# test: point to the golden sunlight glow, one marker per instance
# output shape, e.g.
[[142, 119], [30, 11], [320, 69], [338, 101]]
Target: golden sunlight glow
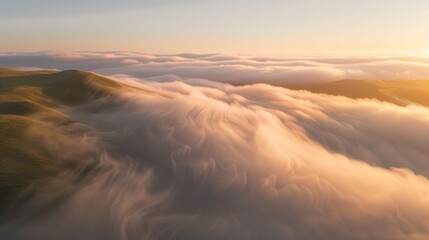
[[425, 52], [227, 119]]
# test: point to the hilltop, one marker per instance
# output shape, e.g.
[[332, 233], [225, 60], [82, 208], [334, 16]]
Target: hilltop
[[30, 101]]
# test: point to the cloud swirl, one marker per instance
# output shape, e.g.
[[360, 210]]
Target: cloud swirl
[[172, 160]]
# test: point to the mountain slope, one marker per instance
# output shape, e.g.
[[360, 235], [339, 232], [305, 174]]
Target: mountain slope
[[30, 101], [397, 92]]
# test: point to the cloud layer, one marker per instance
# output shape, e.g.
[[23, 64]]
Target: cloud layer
[[177, 161], [226, 68]]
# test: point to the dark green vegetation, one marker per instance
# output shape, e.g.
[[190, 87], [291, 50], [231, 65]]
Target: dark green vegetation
[[30, 111]]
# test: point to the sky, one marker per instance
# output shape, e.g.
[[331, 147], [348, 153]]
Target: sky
[[270, 27]]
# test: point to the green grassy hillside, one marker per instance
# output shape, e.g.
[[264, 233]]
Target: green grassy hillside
[[32, 101]]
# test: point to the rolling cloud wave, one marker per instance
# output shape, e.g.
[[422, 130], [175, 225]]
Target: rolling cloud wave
[[179, 161]]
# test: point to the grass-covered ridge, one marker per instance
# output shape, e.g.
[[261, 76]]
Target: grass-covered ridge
[[398, 92], [69, 87], [31, 102]]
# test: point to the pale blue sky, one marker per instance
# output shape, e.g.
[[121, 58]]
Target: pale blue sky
[[270, 27]]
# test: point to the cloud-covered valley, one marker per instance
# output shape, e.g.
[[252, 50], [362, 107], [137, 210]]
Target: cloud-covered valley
[[198, 160]]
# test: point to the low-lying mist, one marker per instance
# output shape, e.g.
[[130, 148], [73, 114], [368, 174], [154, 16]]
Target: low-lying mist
[[212, 161]]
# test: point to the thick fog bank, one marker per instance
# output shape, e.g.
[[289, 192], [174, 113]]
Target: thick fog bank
[[176, 161]]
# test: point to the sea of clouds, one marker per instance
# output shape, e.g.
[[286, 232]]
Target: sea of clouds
[[203, 160], [234, 69]]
